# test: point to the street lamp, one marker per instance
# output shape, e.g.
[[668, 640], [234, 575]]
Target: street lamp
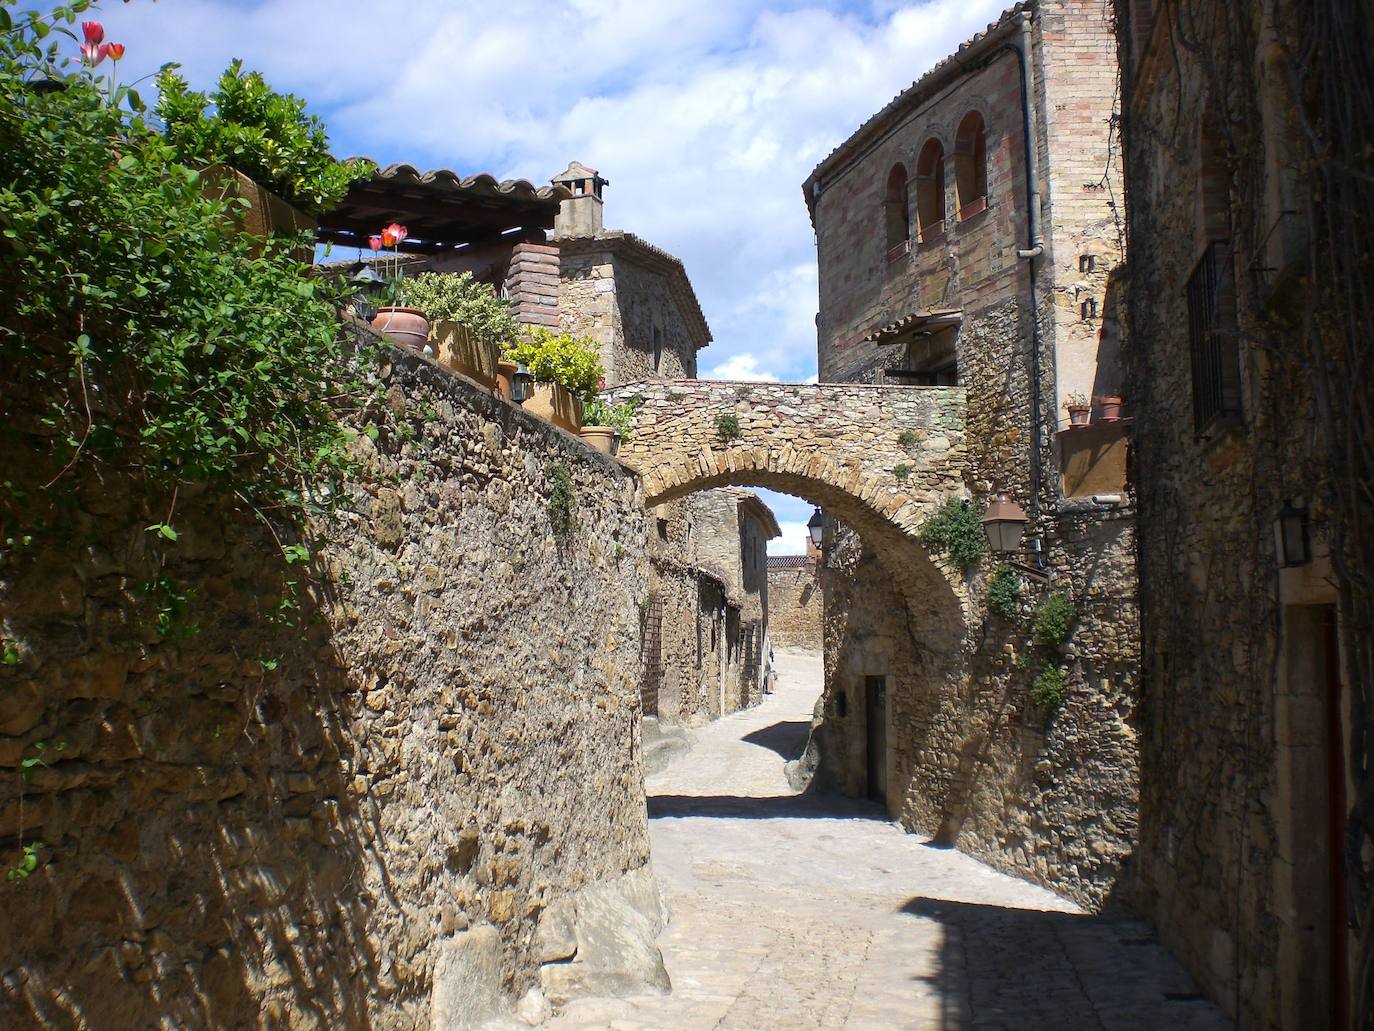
[[1295, 539], [521, 384], [815, 526], [1004, 524], [367, 287]]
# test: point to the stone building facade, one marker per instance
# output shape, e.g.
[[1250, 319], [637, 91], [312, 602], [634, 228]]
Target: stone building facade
[[1251, 833], [795, 601], [400, 807], [965, 234]]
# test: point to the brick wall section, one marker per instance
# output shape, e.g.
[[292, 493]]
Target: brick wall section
[[297, 823], [532, 284]]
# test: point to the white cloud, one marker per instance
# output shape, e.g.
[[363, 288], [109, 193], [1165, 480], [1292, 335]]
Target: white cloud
[[792, 541], [741, 367], [706, 115]]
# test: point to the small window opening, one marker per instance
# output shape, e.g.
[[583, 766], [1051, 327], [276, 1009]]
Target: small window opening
[[971, 165], [930, 191]]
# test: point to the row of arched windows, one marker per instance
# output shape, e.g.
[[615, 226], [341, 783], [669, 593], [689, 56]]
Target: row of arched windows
[[970, 183]]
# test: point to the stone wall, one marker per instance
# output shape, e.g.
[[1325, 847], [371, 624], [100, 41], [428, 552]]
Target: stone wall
[[794, 604], [355, 814]]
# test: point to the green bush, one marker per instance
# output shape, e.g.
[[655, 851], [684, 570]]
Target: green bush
[[956, 529], [448, 295], [727, 426], [619, 417], [1049, 689], [142, 325], [1054, 620], [901, 471], [1004, 592], [571, 362], [265, 135], [561, 497]]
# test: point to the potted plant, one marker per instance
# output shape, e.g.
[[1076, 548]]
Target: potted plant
[[567, 371], [400, 322], [606, 425], [467, 321], [261, 147], [1078, 408], [1109, 408]]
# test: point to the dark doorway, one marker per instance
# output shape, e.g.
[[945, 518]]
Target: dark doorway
[[1336, 816], [875, 690]]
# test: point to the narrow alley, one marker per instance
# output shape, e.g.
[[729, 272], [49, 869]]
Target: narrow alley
[[790, 912]]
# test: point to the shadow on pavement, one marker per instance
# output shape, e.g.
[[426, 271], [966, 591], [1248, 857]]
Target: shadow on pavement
[[787, 738], [1029, 968], [767, 807]]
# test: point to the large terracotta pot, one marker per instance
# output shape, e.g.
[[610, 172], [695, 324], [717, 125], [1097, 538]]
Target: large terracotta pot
[[600, 437], [405, 326], [456, 347], [1109, 409], [504, 371], [557, 405]]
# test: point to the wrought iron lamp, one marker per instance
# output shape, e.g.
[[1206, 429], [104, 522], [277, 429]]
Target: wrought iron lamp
[[368, 288], [521, 384], [1004, 524], [1293, 528], [815, 526]]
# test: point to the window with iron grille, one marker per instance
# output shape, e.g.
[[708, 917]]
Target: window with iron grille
[[1212, 337]]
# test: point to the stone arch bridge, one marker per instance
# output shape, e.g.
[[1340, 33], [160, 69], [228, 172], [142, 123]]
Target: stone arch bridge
[[878, 458]]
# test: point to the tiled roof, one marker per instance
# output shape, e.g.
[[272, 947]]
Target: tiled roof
[[916, 92], [927, 317], [788, 561]]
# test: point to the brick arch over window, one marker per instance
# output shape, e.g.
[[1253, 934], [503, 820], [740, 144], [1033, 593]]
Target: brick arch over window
[[1214, 183], [971, 165], [896, 209], [930, 191]]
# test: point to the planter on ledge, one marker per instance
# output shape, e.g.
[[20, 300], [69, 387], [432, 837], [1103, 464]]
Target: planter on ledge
[[1108, 409], [600, 437], [504, 371], [1078, 415], [265, 215], [405, 326], [458, 348], [557, 405]]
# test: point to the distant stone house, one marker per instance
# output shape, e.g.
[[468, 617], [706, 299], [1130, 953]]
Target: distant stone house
[[795, 601], [965, 236]]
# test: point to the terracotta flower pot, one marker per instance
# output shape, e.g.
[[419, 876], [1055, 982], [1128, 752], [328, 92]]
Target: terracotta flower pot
[[1109, 409], [600, 437], [405, 326], [1078, 415], [504, 371], [456, 347]]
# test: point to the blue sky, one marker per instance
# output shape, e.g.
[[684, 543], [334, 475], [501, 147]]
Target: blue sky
[[705, 115]]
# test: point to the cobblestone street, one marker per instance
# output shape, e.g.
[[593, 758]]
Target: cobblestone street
[[792, 913]]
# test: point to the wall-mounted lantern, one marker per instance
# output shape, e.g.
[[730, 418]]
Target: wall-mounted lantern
[[521, 384], [1004, 524], [1294, 533], [368, 288], [815, 526]]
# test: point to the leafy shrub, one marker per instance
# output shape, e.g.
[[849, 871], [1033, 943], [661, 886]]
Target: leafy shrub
[[448, 295], [560, 505], [1004, 592], [901, 471], [265, 135], [906, 439], [1049, 689], [619, 417], [572, 362], [1054, 620], [144, 327], [727, 426], [955, 529]]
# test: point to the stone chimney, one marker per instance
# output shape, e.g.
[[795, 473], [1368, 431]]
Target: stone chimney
[[580, 215]]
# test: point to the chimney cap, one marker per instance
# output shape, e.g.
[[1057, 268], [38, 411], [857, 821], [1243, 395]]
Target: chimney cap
[[575, 171]]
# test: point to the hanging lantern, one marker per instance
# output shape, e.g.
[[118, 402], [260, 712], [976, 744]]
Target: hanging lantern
[[1004, 524], [815, 526]]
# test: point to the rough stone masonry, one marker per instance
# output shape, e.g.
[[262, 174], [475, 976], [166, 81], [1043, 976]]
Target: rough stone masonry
[[416, 798]]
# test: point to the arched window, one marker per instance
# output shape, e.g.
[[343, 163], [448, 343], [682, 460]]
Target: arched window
[[896, 214], [971, 165], [930, 191]]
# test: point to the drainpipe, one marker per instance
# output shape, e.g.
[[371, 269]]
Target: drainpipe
[[1022, 47]]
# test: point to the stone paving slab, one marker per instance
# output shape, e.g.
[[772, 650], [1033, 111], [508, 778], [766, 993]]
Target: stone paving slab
[[791, 912]]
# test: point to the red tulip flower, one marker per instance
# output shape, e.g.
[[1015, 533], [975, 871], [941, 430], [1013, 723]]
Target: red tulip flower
[[92, 54], [116, 51], [394, 234], [94, 33], [375, 242]]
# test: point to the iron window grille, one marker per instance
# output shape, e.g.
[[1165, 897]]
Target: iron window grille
[[1212, 338]]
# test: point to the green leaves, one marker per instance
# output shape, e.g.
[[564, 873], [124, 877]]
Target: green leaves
[[956, 530], [162, 530], [446, 295], [572, 362]]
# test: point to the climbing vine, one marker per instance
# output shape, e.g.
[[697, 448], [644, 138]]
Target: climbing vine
[[956, 529]]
